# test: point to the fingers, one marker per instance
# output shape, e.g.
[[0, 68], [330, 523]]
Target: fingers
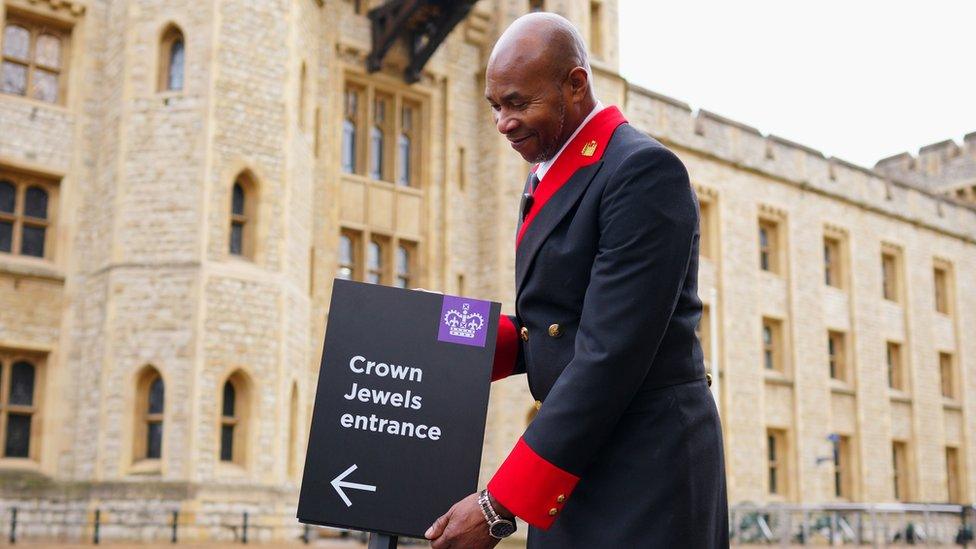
[[437, 528], [426, 290]]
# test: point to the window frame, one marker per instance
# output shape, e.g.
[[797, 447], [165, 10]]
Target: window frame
[[772, 251], [834, 267], [239, 421], [901, 473], [140, 449], [22, 182], [895, 365], [838, 359], [171, 33], [773, 350], [891, 283], [35, 410], [949, 388], [362, 118], [943, 288], [248, 221], [37, 26], [777, 464]]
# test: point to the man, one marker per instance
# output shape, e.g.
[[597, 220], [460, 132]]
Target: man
[[626, 449]]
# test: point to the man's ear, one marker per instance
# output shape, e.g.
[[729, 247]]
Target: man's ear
[[579, 81]]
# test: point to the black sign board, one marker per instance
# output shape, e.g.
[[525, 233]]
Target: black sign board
[[399, 416]]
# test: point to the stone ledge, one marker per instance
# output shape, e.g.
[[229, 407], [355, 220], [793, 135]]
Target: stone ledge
[[18, 269]]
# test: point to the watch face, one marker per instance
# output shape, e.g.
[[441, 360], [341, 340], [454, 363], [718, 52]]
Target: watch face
[[502, 529]]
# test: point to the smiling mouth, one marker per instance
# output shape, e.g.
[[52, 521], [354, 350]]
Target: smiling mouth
[[519, 141]]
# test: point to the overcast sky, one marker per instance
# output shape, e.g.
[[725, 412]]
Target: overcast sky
[[856, 79]]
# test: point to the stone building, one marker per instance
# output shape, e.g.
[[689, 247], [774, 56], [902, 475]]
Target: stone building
[[181, 180]]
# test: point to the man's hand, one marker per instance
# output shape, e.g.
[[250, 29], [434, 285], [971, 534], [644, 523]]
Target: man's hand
[[462, 527]]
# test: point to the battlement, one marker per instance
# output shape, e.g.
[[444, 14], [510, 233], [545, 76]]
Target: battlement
[[712, 135], [941, 166]]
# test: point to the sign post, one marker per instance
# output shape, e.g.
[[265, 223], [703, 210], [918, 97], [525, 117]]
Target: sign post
[[399, 417]]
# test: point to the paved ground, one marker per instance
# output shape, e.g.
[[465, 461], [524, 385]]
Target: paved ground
[[318, 544]]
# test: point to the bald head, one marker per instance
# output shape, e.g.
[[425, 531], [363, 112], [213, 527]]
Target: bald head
[[538, 84], [544, 41]]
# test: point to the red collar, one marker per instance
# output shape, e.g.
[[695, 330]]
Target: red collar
[[586, 148]]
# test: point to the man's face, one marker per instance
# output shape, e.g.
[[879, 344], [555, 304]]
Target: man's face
[[529, 108]]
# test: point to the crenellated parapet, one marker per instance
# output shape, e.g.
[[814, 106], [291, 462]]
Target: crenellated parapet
[[745, 147], [945, 167]]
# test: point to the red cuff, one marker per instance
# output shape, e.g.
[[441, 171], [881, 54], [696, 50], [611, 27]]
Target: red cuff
[[531, 487], [506, 349]]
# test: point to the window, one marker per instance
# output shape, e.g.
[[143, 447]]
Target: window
[[375, 255], [404, 264], [33, 60], [843, 469], [941, 278], [896, 373], [378, 141], [705, 226], [171, 60], [832, 262], [242, 216], [537, 5], [150, 401], [837, 355], [777, 480], [953, 475], [25, 215], [889, 276], [348, 255], [899, 463], [596, 28], [772, 345], [769, 246], [233, 419], [18, 406], [406, 145], [350, 131], [383, 140], [948, 378]]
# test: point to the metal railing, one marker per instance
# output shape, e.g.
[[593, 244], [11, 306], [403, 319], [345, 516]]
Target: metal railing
[[877, 525]]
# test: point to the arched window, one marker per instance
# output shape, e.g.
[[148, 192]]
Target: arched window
[[233, 419], [374, 262], [293, 431], [350, 125], [405, 148], [171, 60], [347, 257], [242, 216], [404, 269], [150, 403], [377, 139], [18, 380]]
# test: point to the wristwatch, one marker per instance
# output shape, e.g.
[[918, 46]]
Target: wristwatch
[[498, 527]]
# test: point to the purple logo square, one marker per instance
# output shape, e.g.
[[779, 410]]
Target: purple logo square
[[463, 321]]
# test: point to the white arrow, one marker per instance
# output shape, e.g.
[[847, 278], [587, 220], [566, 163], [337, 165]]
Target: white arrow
[[339, 484]]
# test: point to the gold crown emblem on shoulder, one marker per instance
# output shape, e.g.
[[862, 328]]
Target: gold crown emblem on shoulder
[[589, 149]]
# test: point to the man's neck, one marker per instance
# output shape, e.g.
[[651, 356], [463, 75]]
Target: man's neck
[[543, 167]]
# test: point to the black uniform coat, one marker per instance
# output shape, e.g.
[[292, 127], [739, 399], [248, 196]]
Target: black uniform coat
[[626, 449]]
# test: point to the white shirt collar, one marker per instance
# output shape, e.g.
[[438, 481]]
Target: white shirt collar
[[540, 172]]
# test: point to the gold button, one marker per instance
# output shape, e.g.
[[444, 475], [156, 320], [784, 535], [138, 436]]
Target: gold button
[[708, 378], [555, 330], [538, 404], [553, 511], [524, 332], [561, 498]]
